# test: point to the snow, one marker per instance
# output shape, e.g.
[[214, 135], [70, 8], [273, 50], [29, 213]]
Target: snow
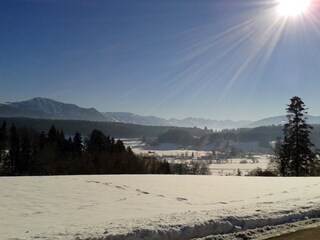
[[232, 165], [165, 149], [150, 206], [172, 153], [268, 232]]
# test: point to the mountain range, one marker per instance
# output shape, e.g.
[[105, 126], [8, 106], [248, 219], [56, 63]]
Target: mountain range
[[186, 122], [50, 109]]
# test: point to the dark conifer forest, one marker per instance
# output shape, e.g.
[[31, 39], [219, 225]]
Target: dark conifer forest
[[24, 151]]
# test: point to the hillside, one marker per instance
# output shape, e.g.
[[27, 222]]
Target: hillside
[[152, 207], [114, 129], [44, 108], [262, 135], [280, 120], [48, 108]]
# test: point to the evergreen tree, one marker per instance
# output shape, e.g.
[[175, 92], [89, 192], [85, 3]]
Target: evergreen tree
[[284, 157], [25, 154], [77, 141], [52, 134], [119, 146], [14, 151], [62, 142], [3, 140], [129, 150], [42, 140], [98, 142], [4, 163], [296, 157]]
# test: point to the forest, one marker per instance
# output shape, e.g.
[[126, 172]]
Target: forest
[[27, 152], [262, 135], [115, 129]]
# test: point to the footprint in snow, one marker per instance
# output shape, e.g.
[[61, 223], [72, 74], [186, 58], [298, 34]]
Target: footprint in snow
[[87, 206], [37, 212], [265, 202], [120, 187], [142, 192], [181, 199], [160, 195], [92, 182]]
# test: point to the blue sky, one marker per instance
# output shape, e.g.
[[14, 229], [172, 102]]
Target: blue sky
[[219, 59]]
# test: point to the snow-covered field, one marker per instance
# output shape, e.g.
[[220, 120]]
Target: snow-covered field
[[231, 167], [150, 206], [165, 149], [171, 153]]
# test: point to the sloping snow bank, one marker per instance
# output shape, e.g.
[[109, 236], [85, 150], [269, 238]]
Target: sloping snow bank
[[266, 232], [224, 225], [150, 207]]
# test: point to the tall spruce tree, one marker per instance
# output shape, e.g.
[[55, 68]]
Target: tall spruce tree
[[296, 157]]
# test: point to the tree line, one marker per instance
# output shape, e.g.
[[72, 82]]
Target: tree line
[[115, 129], [24, 151]]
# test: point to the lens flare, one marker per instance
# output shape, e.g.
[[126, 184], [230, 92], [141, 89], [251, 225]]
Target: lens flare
[[293, 7]]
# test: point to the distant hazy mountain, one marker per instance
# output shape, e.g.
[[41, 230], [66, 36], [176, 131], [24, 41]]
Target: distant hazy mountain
[[209, 123], [269, 121], [279, 120], [47, 108], [187, 122], [136, 119], [51, 109]]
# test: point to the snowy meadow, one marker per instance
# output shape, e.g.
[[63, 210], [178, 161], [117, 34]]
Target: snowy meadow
[[174, 154], [150, 206], [159, 120]]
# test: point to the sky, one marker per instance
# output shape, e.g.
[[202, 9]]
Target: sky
[[217, 59]]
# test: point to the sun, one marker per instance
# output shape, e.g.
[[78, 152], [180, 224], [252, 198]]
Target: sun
[[293, 7]]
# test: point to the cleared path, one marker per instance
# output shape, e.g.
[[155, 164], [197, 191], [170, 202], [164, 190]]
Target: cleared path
[[308, 234]]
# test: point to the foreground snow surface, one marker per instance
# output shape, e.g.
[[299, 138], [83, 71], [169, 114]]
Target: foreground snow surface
[[150, 206]]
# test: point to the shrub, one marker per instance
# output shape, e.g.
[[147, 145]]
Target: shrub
[[261, 173]]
